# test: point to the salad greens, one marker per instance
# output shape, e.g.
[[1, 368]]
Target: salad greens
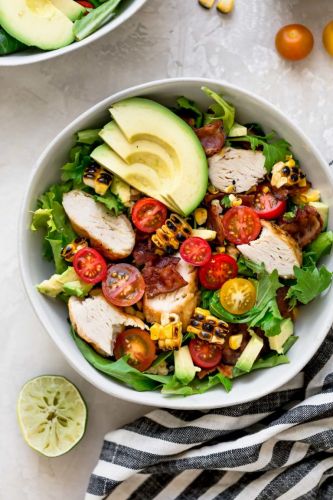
[[95, 19], [274, 149], [9, 44], [220, 110], [188, 105], [309, 284]]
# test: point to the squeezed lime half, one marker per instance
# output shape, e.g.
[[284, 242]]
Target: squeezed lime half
[[52, 415]]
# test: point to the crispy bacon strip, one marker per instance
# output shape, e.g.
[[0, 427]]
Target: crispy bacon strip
[[161, 276], [212, 137], [305, 227], [214, 222]]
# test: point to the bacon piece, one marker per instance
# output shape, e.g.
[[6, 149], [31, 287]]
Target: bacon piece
[[206, 371], [305, 227], [212, 137], [214, 222], [143, 252], [283, 303], [161, 276]]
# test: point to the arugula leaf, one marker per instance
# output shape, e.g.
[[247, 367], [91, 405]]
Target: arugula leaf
[[265, 313], [310, 282], [274, 150], [267, 362], [51, 217], [111, 201], [289, 343], [220, 110], [189, 105], [197, 386], [247, 267], [120, 369], [226, 202]]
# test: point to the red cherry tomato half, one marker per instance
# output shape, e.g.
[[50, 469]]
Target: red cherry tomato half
[[241, 225], [269, 207], [294, 42], [217, 271], [138, 345], [85, 4], [123, 285], [195, 251], [149, 214], [204, 354], [89, 265]]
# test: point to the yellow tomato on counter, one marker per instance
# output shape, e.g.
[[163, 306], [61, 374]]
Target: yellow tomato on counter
[[328, 38]]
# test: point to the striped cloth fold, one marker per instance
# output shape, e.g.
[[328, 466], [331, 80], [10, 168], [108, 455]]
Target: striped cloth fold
[[278, 447]]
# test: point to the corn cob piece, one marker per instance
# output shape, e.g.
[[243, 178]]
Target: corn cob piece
[[69, 251], [168, 334], [208, 327], [225, 6], [97, 178], [287, 174], [172, 234]]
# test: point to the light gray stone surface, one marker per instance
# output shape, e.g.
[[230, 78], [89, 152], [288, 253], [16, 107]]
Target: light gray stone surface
[[165, 39]]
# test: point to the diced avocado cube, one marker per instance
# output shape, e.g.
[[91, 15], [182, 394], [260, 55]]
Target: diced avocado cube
[[277, 342], [322, 208], [237, 130], [184, 368], [250, 353]]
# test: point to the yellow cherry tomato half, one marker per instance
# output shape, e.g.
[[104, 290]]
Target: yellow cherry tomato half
[[294, 42], [238, 295], [328, 38]]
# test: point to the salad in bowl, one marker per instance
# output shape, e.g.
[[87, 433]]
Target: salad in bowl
[[186, 245], [35, 30]]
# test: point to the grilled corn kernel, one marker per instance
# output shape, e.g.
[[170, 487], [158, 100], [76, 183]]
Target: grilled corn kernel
[[225, 6], [235, 341], [265, 189], [235, 202], [168, 334], [208, 327], [208, 4], [200, 216], [69, 251], [287, 174], [97, 178], [307, 197], [172, 234], [212, 189], [230, 189], [220, 249]]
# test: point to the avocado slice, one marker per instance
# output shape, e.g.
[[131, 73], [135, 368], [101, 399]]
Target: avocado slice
[[277, 342], [67, 282], [237, 130], [323, 209], [122, 190], [139, 175], [71, 9], [143, 119], [250, 353], [184, 368], [36, 23]]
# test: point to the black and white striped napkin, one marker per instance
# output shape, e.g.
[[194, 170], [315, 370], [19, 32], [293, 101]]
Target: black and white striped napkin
[[278, 447]]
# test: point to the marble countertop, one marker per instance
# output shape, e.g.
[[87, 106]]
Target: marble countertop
[[165, 39]]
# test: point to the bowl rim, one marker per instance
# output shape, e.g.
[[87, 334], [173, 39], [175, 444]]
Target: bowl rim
[[12, 60], [116, 390]]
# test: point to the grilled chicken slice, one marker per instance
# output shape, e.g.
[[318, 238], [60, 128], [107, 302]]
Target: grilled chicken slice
[[112, 235], [276, 249], [98, 322], [236, 170], [182, 301]]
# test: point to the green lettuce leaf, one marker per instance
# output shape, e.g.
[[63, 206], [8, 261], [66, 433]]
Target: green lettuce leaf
[[197, 386], [88, 136], [189, 105], [274, 150], [310, 283], [249, 268], [220, 110], [266, 362], [120, 369], [79, 160], [51, 217], [111, 201]]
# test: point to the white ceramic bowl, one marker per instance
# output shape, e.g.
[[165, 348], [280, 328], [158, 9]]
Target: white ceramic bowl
[[33, 55], [315, 319]]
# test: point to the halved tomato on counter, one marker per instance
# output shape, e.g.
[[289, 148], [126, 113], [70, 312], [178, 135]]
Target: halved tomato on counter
[[241, 225], [148, 215], [219, 269], [195, 251], [90, 266], [268, 207], [204, 354], [138, 345], [123, 285]]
